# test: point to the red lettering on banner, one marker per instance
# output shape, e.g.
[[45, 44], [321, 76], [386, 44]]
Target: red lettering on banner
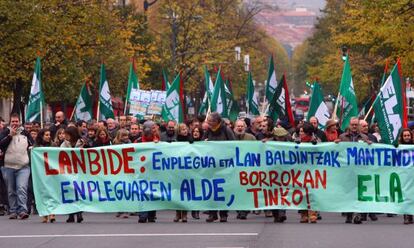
[[283, 195], [76, 161], [127, 159], [308, 180], [273, 175], [104, 163], [243, 178], [47, 168], [64, 161], [94, 161], [320, 178], [114, 170], [273, 196], [295, 177], [255, 196], [298, 193]]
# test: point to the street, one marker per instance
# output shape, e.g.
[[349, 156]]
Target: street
[[105, 230]]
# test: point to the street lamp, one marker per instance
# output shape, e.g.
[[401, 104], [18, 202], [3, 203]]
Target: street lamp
[[246, 62], [344, 49], [237, 49]]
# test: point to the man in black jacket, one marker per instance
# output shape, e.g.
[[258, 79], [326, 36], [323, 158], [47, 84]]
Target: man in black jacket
[[60, 122], [319, 133], [217, 130]]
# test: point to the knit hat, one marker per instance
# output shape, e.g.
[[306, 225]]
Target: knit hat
[[279, 132], [330, 123], [148, 125]]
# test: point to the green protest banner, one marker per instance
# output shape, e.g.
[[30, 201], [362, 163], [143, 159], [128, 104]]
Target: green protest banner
[[233, 175]]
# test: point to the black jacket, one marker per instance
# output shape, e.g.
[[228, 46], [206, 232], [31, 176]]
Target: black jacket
[[222, 133]]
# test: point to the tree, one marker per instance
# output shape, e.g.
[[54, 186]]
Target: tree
[[73, 38], [371, 31]]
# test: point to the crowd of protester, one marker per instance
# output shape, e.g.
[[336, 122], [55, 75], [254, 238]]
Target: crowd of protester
[[16, 140]]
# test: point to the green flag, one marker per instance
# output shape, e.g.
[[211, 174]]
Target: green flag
[[232, 105], [317, 106], [209, 87], [173, 109], [204, 105], [389, 107], [271, 82], [280, 106], [83, 107], [105, 103], [372, 119], [218, 99], [132, 84], [165, 82], [252, 102], [36, 98], [347, 103]]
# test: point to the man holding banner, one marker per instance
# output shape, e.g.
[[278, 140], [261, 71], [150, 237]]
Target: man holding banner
[[148, 135], [354, 135], [217, 131], [240, 134]]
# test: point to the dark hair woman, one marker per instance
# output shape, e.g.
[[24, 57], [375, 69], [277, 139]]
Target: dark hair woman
[[307, 135], [182, 136], [44, 139], [73, 140], [406, 138], [102, 137], [197, 134]]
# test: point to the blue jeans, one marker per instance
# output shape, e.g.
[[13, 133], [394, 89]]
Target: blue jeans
[[17, 182]]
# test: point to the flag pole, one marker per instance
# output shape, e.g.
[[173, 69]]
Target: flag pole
[[127, 96], [126, 103], [208, 110], [97, 110], [41, 114], [383, 81], [334, 117], [369, 111], [125, 107], [73, 112], [373, 103], [264, 106]]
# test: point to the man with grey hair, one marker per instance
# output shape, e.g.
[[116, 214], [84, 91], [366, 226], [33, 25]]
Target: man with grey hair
[[353, 135], [240, 133], [112, 127], [148, 135], [364, 128], [255, 125], [217, 131]]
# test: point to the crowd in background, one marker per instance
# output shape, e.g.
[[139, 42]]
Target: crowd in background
[[16, 140]]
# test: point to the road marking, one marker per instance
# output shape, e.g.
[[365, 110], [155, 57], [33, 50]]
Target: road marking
[[124, 235]]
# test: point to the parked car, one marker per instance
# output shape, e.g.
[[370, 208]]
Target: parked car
[[302, 103]]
